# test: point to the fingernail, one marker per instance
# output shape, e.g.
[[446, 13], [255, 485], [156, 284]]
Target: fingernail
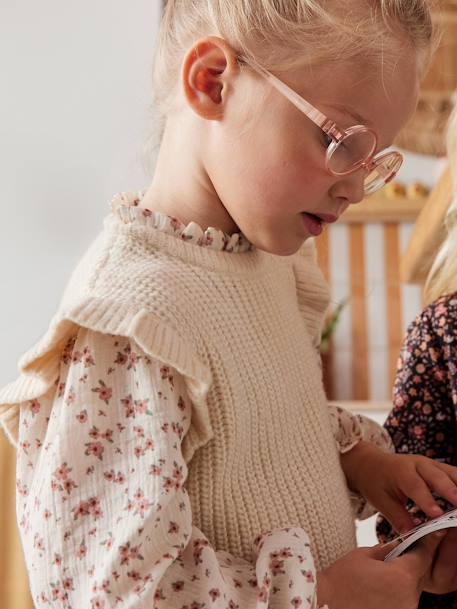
[[440, 533], [417, 521], [437, 510]]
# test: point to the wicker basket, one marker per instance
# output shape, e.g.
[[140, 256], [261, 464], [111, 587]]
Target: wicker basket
[[425, 133]]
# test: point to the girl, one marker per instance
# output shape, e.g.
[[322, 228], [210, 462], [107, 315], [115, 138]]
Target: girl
[[423, 420], [175, 448]]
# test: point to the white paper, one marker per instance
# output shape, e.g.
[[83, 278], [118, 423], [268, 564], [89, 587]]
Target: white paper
[[446, 521]]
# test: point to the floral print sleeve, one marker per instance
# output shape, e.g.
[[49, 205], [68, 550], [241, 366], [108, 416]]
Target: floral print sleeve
[[348, 430], [103, 511]]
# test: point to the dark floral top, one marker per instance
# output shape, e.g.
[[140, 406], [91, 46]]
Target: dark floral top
[[423, 419]]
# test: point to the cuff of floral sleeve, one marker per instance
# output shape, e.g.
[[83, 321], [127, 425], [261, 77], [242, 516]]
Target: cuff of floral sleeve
[[348, 430]]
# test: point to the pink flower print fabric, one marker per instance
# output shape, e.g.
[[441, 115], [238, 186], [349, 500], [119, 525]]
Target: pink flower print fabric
[[348, 430], [103, 511]]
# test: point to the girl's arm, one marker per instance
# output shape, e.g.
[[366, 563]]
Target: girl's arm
[[108, 521], [422, 424], [349, 430]]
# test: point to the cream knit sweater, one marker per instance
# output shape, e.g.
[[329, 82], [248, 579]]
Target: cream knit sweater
[[242, 329]]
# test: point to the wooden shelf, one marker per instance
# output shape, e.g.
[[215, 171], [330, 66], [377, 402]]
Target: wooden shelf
[[382, 208]]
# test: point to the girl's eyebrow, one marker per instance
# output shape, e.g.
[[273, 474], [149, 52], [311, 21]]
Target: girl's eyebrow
[[351, 112], [361, 121]]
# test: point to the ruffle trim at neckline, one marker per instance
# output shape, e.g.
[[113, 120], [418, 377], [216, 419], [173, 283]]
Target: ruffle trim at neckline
[[126, 205]]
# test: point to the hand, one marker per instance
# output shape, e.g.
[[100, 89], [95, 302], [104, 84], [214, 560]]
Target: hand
[[442, 577], [361, 580], [388, 480]]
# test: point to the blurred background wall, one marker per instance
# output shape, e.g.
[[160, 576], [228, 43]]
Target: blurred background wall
[[74, 108], [75, 115]]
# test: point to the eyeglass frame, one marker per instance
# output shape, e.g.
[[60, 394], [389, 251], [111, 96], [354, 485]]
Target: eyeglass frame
[[330, 128]]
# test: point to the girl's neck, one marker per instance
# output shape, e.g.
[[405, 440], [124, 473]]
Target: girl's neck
[[181, 187]]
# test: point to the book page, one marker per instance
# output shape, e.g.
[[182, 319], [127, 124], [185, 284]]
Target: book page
[[446, 521]]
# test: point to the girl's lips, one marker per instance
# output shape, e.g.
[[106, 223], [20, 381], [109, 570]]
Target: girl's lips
[[327, 218], [313, 224]]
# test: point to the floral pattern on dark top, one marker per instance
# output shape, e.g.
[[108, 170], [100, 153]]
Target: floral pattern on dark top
[[423, 419]]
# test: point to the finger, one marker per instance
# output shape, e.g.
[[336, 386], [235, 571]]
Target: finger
[[445, 566], [439, 480], [420, 493], [450, 470], [397, 514], [420, 558]]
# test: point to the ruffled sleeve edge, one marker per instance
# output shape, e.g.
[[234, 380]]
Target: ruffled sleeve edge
[[313, 292], [39, 366]]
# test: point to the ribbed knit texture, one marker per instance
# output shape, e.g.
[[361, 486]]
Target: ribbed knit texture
[[242, 328]]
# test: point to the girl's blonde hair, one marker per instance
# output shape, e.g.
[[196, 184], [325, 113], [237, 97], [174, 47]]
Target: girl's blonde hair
[[283, 34], [442, 278]]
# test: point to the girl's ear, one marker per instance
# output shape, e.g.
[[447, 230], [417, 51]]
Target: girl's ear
[[207, 70]]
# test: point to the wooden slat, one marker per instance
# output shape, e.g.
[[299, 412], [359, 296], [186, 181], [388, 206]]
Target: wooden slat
[[360, 380], [428, 233], [381, 208], [393, 295]]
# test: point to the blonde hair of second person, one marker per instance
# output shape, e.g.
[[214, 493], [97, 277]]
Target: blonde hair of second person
[[442, 278]]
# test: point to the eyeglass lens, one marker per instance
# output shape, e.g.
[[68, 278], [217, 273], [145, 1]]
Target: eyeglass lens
[[382, 173], [356, 148], [351, 151]]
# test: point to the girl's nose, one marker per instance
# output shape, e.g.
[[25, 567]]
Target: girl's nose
[[352, 186]]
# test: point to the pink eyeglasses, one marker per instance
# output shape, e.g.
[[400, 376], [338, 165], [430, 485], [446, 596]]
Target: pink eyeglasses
[[349, 149]]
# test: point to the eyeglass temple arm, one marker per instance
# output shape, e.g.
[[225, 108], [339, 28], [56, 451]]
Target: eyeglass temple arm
[[311, 112]]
